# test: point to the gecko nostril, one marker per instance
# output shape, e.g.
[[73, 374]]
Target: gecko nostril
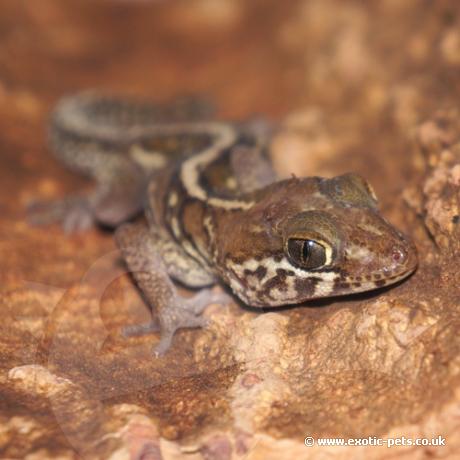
[[399, 255]]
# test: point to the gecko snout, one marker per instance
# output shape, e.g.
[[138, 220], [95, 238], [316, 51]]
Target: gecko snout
[[403, 256]]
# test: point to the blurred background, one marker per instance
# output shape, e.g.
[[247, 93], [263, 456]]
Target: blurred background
[[253, 55], [352, 78]]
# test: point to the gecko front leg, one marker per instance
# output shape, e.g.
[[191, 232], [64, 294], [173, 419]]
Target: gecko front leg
[[251, 167], [141, 248], [251, 164]]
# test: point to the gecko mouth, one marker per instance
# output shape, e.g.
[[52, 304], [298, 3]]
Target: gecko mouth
[[385, 280], [371, 282], [401, 263]]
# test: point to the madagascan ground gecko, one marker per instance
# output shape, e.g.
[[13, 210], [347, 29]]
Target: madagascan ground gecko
[[214, 211]]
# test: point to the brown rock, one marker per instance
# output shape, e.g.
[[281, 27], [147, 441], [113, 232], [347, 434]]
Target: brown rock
[[439, 203]]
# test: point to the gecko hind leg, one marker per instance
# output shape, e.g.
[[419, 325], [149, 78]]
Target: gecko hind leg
[[118, 196], [141, 250], [73, 212]]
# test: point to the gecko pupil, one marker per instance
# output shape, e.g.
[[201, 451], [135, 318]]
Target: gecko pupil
[[306, 253], [306, 250]]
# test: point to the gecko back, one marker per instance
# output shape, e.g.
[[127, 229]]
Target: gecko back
[[118, 143]]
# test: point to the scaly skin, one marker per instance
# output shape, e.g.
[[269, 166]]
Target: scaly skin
[[210, 216]]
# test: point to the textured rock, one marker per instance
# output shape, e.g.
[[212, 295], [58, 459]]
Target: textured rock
[[439, 200], [365, 86]]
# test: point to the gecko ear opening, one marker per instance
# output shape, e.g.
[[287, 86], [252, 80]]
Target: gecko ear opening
[[350, 190]]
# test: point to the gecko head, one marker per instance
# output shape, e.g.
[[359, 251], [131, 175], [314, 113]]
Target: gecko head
[[310, 238], [343, 245]]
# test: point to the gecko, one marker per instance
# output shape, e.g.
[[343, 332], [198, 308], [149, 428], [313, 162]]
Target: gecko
[[215, 211]]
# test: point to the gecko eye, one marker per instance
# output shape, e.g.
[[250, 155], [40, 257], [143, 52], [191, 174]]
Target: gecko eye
[[306, 253]]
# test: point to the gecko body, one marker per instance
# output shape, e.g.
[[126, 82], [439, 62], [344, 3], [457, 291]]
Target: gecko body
[[214, 211]]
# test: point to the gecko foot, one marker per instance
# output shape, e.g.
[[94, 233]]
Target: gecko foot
[[205, 297], [185, 314], [176, 318], [188, 314], [74, 213]]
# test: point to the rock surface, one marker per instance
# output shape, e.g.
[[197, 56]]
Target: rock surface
[[371, 87]]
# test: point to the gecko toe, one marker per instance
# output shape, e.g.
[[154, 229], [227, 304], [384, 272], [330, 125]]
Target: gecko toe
[[164, 344], [77, 220], [196, 321], [136, 330]]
